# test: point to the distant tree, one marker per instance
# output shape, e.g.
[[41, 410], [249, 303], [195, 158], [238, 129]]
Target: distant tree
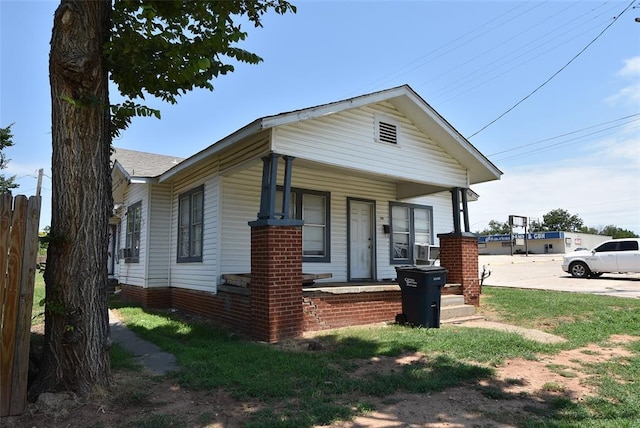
[[617, 232], [6, 140], [43, 238], [561, 220], [496, 228], [590, 230], [535, 226]]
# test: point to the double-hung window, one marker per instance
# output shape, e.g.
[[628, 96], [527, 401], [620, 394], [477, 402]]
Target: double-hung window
[[313, 208], [410, 226], [134, 221], [190, 225]]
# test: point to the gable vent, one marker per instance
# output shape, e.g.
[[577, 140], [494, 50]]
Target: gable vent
[[387, 132]]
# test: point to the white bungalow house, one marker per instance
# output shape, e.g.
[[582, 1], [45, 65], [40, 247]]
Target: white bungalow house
[[371, 183]]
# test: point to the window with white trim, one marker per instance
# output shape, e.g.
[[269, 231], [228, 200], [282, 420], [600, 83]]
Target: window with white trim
[[410, 226], [313, 208], [190, 225], [134, 222]]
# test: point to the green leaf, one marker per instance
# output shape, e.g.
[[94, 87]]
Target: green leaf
[[204, 63]]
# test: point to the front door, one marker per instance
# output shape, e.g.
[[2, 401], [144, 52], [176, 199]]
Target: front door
[[361, 239]]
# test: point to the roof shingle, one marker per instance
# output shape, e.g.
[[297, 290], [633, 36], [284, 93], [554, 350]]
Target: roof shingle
[[143, 164]]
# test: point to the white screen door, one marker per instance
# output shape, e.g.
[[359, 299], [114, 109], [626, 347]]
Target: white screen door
[[361, 240]]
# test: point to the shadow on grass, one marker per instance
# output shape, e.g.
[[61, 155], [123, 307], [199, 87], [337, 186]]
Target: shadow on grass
[[302, 388], [299, 388]]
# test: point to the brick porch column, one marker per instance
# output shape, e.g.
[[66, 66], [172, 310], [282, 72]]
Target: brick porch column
[[459, 255], [276, 282]]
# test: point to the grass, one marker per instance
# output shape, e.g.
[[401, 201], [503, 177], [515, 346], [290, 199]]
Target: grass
[[303, 389], [580, 318], [318, 389], [37, 310]]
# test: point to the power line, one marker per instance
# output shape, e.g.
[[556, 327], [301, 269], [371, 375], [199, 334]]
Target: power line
[[563, 143], [493, 67], [566, 134], [615, 18], [453, 44], [519, 51]]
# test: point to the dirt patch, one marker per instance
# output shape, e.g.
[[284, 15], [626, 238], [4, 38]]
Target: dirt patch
[[519, 388]]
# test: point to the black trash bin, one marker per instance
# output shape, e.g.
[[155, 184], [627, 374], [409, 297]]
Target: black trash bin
[[421, 294]]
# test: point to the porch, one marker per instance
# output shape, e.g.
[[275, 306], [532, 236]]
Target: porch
[[328, 305]]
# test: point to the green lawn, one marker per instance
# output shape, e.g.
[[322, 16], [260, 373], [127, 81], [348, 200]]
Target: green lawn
[[37, 311], [312, 388]]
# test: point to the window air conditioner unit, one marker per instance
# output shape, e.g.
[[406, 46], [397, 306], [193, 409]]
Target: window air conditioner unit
[[124, 253], [426, 254]]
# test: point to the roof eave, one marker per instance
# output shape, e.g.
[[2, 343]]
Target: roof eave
[[244, 132], [466, 153]]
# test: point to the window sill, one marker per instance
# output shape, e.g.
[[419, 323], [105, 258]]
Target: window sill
[[190, 260]]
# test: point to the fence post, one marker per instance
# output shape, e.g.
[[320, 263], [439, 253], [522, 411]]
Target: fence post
[[18, 257]]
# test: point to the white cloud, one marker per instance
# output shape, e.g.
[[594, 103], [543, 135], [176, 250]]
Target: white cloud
[[630, 93], [631, 67], [624, 147], [602, 188], [21, 170], [598, 192]]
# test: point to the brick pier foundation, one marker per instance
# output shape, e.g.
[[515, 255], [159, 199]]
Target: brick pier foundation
[[459, 255]]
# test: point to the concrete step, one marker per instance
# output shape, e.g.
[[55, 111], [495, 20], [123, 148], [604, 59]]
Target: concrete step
[[456, 311], [451, 300]]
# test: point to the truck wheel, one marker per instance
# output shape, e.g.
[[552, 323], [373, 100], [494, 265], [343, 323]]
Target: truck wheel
[[579, 270]]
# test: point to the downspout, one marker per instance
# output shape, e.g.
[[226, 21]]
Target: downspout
[[147, 227], [218, 218], [173, 182]]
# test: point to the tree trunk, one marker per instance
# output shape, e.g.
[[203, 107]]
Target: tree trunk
[[76, 350]]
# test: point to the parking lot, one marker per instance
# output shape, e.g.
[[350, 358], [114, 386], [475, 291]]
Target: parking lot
[[544, 272]]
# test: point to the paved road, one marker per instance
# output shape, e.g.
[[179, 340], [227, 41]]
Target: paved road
[[544, 272]]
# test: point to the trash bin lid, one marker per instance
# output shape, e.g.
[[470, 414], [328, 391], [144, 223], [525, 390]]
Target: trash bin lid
[[430, 269]]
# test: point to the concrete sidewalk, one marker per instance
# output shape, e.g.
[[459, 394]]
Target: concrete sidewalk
[[146, 353]]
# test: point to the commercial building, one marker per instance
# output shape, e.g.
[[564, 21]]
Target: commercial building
[[537, 243]]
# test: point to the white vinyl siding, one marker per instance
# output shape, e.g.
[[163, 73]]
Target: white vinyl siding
[[134, 273], [197, 275], [151, 270], [240, 205], [347, 139], [241, 196], [158, 248]]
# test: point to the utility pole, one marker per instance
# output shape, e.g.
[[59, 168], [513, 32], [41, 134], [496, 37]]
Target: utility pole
[[39, 186]]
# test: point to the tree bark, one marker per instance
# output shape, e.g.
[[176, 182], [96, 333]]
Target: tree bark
[[77, 341]]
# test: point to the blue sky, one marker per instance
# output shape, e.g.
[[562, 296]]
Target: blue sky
[[572, 144]]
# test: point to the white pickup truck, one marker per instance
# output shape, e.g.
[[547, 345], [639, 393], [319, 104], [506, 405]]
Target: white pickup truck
[[616, 255]]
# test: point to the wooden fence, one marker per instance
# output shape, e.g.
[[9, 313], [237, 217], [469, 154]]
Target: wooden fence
[[19, 221]]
